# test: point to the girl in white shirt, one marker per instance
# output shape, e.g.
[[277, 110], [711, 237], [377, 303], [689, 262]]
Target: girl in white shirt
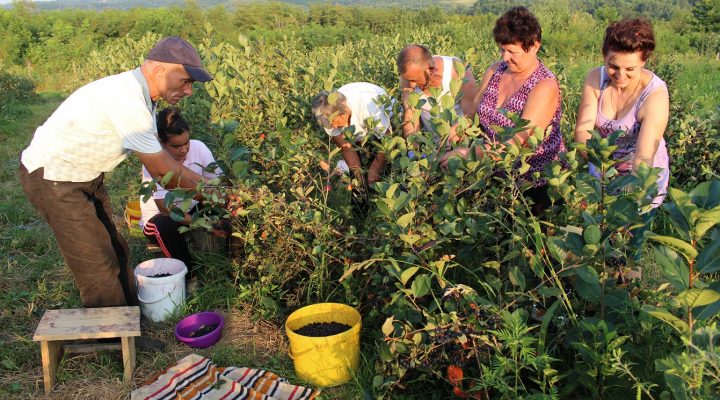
[[158, 226]]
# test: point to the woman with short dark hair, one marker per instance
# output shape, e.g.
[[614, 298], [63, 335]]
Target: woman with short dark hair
[[521, 84]]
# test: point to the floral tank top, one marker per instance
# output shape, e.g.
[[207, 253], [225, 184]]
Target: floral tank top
[[627, 143], [489, 115]]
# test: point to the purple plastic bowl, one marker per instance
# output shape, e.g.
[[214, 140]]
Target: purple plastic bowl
[[193, 322]]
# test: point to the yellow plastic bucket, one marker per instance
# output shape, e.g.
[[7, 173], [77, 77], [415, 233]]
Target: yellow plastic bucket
[[330, 360], [132, 218]]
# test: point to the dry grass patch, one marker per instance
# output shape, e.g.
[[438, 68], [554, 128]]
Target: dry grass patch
[[263, 339]]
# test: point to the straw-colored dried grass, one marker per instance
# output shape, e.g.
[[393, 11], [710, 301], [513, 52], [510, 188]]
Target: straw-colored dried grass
[[264, 339]]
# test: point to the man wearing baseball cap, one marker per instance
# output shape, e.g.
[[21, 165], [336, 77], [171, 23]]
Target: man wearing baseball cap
[[90, 133]]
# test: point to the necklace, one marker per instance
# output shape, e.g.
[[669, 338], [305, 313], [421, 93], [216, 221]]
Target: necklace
[[612, 99]]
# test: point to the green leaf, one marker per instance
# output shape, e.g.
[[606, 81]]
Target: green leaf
[[672, 267], [622, 212], [587, 273], [409, 239], [385, 353], [413, 99], [705, 221], [557, 250], [421, 285], [166, 178], [517, 278], [670, 319], [492, 265], [592, 234], [407, 274], [678, 221], [549, 291], [697, 297], [390, 193], [711, 310], [388, 327], [589, 187], [588, 286], [677, 386], [683, 247], [709, 258], [455, 86], [447, 101], [239, 153], [177, 214], [706, 194], [405, 220], [574, 242], [684, 203]]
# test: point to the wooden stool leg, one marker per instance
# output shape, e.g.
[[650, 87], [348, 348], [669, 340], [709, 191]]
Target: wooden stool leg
[[51, 352], [128, 352]]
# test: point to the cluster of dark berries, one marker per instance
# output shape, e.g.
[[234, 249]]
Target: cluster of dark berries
[[488, 319], [616, 261], [456, 356], [404, 362], [320, 329], [444, 336], [159, 275]]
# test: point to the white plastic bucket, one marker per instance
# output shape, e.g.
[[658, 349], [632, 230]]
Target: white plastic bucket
[[160, 297]]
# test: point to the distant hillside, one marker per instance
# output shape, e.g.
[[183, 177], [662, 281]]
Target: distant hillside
[[604, 9], [113, 4], [128, 4]]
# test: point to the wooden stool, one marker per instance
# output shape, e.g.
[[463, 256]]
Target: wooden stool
[[58, 326]]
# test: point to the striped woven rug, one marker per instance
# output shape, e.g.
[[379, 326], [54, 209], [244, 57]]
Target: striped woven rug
[[197, 377]]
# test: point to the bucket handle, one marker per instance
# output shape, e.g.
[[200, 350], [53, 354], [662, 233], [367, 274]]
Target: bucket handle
[[159, 298], [314, 348], [300, 354]]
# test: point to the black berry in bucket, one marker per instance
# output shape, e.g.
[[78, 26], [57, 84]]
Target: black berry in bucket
[[320, 329], [159, 275]]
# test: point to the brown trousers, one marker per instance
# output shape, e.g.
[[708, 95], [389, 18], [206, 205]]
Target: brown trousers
[[80, 216]]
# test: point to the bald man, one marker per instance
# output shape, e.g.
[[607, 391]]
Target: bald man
[[90, 133], [419, 72]]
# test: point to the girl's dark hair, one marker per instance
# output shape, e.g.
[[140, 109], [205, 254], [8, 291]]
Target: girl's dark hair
[[629, 36], [517, 26], [170, 123]]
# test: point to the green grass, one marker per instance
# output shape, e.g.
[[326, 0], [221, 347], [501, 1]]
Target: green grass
[[700, 81], [32, 277]]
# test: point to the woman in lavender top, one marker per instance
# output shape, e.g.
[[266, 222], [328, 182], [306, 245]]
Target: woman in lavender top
[[623, 95]]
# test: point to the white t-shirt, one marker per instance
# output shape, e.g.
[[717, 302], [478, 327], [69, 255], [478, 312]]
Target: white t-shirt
[[198, 157], [364, 108], [95, 129], [425, 116]]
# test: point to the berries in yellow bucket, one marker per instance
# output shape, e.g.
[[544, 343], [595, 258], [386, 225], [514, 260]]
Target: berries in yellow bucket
[[325, 343]]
